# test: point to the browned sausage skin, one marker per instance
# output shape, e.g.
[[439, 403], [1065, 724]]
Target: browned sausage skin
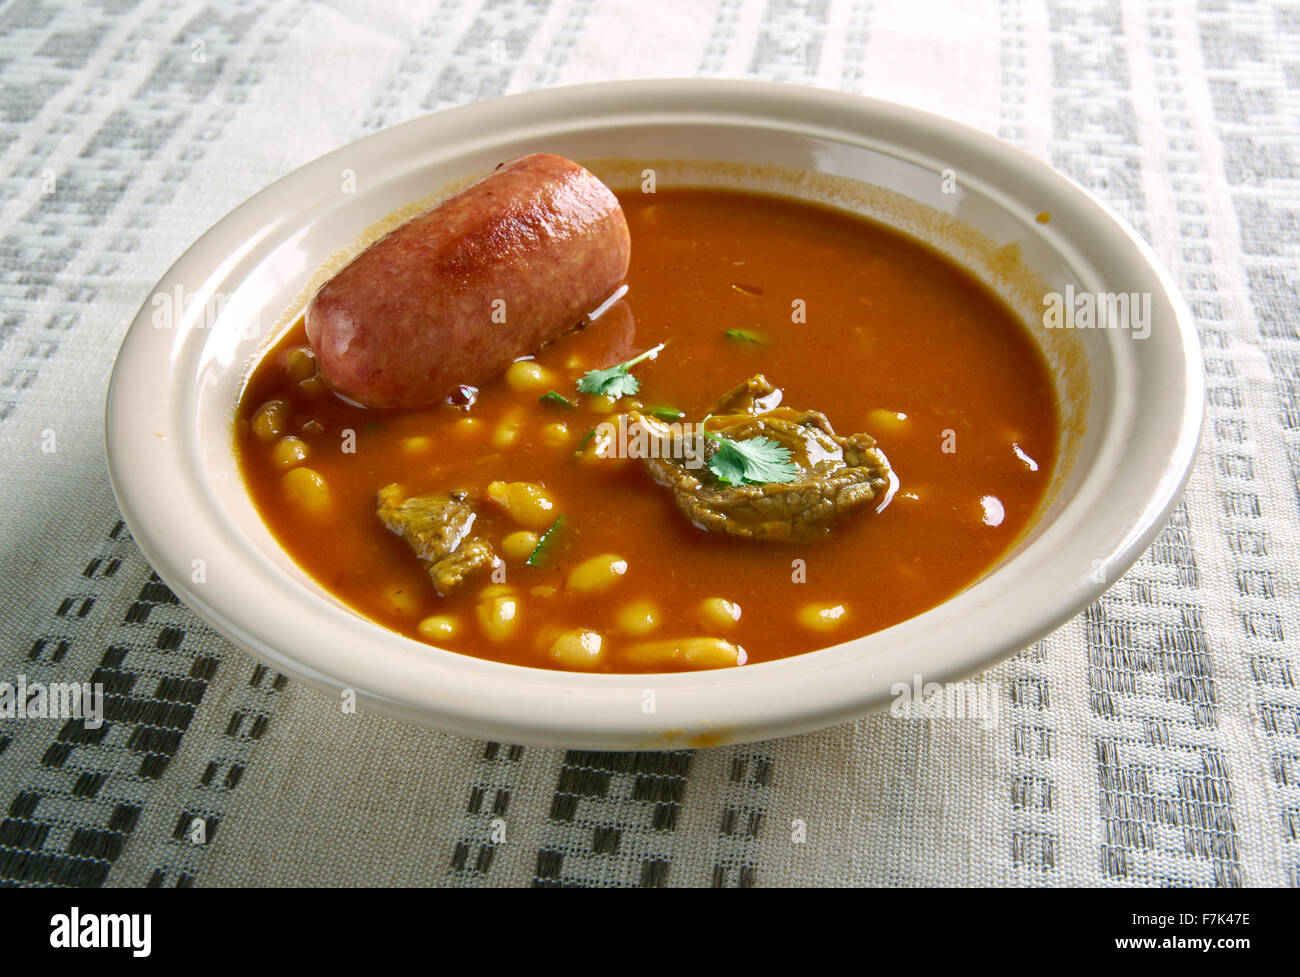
[[454, 295]]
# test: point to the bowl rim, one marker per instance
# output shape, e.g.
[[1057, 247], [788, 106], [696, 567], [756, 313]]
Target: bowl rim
[[534, 706]]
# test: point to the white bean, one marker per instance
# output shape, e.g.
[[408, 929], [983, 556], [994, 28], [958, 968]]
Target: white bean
[[498, 616], [289, 451], [638, 618], [439, 627], [305, 488], [271, 420], [582, 648], [685, 653], [507, 430], [598, 574], [528, 376], [526, 503], [519, 546], [719, 614], [822, 617]]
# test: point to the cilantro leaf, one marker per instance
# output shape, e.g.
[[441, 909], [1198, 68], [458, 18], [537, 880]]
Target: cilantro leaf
[[586, 439], [744, 337], [551, 397], [545, 543], [752, 460], [615, 381], [666, 413]]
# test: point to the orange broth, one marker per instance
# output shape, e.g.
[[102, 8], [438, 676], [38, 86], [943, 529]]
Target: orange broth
[[889, 328]]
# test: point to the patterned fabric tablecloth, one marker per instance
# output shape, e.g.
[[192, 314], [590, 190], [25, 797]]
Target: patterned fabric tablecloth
[[1155, 739]]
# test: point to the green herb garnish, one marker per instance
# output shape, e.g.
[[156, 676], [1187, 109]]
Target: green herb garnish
[[539, 551], [743, 336], [615, 381], [752, 460], [666, 413], [551, 397], [583, 443]]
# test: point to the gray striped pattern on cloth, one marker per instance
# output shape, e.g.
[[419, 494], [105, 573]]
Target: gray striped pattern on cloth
[[1153, 740]]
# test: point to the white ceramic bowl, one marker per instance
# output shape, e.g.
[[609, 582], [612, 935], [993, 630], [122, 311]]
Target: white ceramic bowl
[[1134, 407]]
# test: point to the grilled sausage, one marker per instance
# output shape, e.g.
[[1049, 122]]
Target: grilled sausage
[[454, 295]]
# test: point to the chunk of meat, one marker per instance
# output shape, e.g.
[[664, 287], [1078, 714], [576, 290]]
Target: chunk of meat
[[437, 529], [836, 476], [452, 571]]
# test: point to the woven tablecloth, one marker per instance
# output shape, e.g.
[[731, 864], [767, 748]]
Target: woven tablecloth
[[1153, 740]]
